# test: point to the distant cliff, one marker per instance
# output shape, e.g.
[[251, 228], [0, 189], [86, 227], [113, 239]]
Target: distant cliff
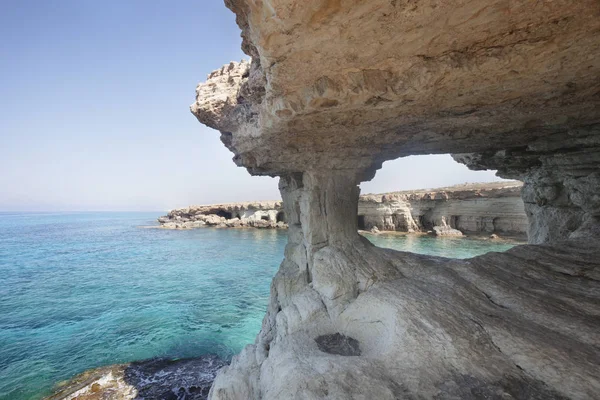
[[258, 214], [471, 209]]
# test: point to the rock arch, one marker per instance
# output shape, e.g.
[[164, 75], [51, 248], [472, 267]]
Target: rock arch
[[514, 93]]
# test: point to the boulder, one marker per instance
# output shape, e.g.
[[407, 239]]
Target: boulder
[[446, 230], [233, 223], [213, 220]]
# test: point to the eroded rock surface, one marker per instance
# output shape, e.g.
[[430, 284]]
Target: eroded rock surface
[[338, 344], [347, 84], [562, 182], [265, 214], [517, 325], [335, 88], [471, 209]]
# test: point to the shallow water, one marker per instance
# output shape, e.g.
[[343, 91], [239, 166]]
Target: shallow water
[[452, 247], [82, 290]]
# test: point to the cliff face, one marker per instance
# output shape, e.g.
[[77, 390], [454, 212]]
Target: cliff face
[[335, 88], [562, 182], [260, 214], [471, 209]]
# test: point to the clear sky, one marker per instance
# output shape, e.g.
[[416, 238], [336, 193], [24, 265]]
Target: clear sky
[[94, 110]]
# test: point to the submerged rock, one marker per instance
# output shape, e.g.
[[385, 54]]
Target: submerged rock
[[159, 379]]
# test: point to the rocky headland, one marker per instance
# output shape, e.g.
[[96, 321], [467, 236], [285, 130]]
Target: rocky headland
[[258, 214], [336, 88], [474, 209]]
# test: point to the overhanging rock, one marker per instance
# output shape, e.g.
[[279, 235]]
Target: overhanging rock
[[337, 87]]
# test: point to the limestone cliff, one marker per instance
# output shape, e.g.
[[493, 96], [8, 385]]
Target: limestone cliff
[[562, 182], [337, 87], [472, 209]]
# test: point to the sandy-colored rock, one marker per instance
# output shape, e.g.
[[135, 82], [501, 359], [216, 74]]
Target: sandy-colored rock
[[349, 84], [337, 87], [471, 209], [445, 230], [263, 214]]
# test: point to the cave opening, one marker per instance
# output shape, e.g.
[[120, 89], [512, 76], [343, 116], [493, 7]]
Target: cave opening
[[280, 217], [425, 223], [265, 218], [224, 214], [423, 173], [454, 221], [361, 222]]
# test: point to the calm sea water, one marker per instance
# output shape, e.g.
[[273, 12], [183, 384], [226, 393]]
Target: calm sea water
[[82, 290]]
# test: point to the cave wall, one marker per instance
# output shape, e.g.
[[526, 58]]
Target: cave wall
[[561, 176], [503, 215]]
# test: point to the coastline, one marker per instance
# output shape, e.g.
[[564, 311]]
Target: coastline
[[476, 210], [153, 379]]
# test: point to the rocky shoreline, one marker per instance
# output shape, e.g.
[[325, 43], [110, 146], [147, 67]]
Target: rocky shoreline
[[493, 208], [259, 214], [163, 379]]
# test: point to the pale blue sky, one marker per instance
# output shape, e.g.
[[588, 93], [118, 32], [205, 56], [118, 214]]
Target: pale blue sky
[[94, 110]]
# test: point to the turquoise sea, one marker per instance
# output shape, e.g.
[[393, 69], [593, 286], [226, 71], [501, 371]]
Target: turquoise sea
[[82, 290]]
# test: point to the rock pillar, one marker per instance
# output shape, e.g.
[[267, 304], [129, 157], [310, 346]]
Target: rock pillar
[[326, 266]]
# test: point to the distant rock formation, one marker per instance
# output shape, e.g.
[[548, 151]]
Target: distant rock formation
[[471, 209], [260, 214], [452, 211], [446, 230]]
